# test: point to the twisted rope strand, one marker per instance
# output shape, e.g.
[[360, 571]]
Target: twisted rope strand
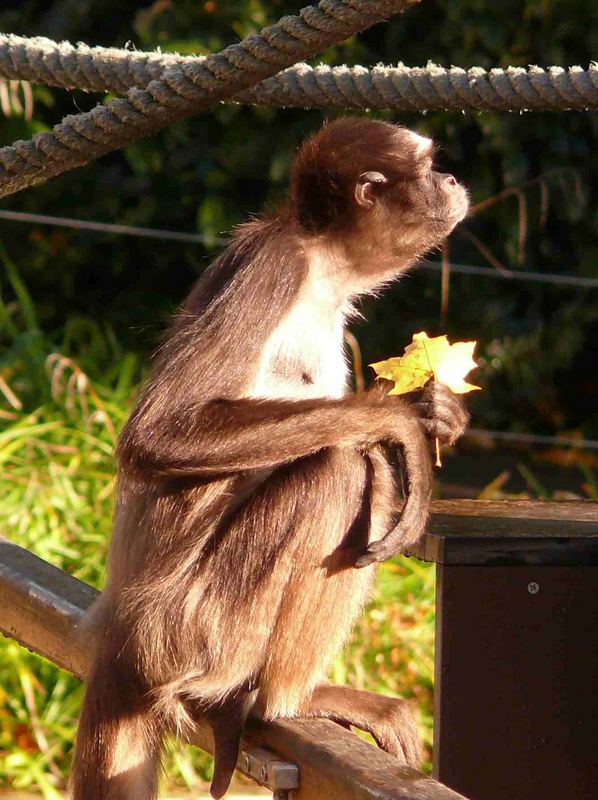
[[182, 89], [429, 88]]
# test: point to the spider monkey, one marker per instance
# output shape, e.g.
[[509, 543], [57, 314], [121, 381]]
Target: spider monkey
[[255, 492]]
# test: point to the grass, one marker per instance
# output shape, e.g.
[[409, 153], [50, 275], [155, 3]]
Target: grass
[[62, 401]]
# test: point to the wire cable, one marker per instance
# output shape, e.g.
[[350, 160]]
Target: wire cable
[[209, 242], [533, 438]]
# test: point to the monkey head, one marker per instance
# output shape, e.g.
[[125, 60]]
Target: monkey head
[[371, 187]]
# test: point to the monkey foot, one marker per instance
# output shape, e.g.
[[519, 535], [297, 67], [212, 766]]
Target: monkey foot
[[394, 730]]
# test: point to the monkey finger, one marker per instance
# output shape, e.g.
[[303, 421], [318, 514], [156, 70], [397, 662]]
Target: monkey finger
[[412, 748], [380, 387], [446, 406], [445, 425], [439, 429], [395, 731], [404, 745], [441, 395], [456, 421], [437, 391], [452, 404], [371, 557], [414, 514], [380, 551]]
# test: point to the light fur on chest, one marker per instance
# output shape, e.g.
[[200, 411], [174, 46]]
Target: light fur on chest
[[305, 355]]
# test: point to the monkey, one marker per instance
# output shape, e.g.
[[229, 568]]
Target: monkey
[[255, 493]]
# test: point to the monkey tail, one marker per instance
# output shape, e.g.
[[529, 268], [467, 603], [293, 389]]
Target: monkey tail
[[119, 740], [226, 717], [227, 721]]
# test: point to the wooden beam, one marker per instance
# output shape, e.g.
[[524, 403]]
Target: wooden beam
[[40, 607], [526, 532]]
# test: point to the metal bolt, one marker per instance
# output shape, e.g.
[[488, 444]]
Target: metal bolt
[[264, 772], [247, 764], [533, 587]]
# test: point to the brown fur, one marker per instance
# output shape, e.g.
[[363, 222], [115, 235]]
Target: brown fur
[[240, 517]]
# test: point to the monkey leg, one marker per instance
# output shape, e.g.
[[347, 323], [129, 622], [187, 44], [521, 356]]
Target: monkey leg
[[389, 720]]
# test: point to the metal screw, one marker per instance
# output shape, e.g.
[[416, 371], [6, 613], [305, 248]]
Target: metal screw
[[264, 772], [247, 764], [533, 587]]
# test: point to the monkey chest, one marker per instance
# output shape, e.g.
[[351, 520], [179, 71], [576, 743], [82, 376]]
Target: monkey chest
[[304, 358]]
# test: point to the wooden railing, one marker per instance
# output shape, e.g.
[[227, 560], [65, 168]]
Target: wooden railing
[[40, 607], [516, 712]]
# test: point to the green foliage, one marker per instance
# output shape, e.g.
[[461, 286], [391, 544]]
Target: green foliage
[[57, 475]]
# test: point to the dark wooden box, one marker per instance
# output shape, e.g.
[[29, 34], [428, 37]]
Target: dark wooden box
[[516, 714]]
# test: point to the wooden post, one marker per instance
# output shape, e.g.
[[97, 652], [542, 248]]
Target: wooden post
[[516, 710]]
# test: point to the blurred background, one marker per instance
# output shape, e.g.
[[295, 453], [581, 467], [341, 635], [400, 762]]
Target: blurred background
[[82, 311]]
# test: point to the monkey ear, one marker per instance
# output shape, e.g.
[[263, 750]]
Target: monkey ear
[[365, 189]]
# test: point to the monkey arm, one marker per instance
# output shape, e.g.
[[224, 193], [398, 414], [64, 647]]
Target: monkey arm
[[228, 436]]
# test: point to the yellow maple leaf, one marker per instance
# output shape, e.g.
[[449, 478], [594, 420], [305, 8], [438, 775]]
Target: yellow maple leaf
[[427, 358]]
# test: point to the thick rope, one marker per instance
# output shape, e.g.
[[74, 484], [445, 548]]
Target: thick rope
[[185, 89], [430, 88]]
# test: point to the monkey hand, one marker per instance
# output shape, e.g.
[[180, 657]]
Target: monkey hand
[[442, 413]]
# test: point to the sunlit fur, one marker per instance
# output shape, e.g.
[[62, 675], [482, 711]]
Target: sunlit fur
[[250, 480]]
